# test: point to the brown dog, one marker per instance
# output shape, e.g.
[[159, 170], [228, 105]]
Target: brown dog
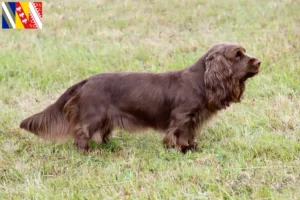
[[176, 102]]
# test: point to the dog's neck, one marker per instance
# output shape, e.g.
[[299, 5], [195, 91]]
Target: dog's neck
[[194, 74], [198, 70], [199, 67]]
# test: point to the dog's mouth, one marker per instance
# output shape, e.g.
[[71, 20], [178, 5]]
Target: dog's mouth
[[253, 73], [250, 75]]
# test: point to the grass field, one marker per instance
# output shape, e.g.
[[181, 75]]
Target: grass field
[[250, 151]]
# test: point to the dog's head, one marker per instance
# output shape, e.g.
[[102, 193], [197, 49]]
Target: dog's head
[[227, 68]]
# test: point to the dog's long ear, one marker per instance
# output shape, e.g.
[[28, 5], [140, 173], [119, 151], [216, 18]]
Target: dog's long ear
[[219, 81]]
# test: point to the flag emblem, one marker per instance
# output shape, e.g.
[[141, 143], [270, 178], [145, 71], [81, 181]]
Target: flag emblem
[[22, 15]]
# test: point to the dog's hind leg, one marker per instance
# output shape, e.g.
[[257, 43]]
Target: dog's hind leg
[[89, 128], [102, 135], [106, 135], [95, 126], [81, 139]]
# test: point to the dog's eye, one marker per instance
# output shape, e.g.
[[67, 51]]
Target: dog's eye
[[238, 55]]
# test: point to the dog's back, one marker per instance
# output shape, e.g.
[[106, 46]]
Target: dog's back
[[127, 100]]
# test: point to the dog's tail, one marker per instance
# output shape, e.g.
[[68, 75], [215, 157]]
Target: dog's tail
[[52, 124]]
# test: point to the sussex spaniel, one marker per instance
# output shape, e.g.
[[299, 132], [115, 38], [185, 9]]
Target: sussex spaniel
[[176, 102]]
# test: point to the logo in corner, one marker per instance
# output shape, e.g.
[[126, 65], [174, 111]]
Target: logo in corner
[[22, 15]]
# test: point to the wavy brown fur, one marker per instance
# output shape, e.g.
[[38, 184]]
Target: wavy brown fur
[[52, 124], [176, 102]]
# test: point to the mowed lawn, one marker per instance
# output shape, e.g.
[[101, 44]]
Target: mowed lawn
[[249, 151]]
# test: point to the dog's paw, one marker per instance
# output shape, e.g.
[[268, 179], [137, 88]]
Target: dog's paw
[[192, 148]]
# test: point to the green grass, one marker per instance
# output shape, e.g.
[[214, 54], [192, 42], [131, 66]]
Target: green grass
[[249, 151]]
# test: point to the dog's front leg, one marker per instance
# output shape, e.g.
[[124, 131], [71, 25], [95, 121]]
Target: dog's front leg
[[186, 138], [170, 140], [180, 134], [181, 138]]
